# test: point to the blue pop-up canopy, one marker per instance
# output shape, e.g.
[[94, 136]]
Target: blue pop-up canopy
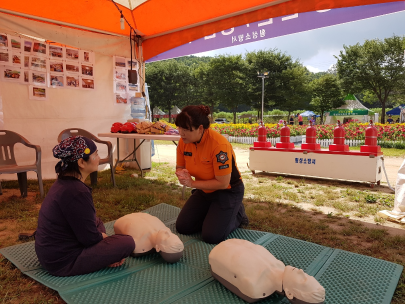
[[309, 113], [395, 111]]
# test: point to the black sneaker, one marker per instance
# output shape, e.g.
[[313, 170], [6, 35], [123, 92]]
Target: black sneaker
[[27, 236], [245, 220]]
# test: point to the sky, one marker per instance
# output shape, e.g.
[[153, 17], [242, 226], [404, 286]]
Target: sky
[[316, 48]]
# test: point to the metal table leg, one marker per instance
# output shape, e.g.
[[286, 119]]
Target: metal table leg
[[133, 154]]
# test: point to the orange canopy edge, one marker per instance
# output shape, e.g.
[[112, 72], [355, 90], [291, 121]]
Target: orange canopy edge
[[166, 24]]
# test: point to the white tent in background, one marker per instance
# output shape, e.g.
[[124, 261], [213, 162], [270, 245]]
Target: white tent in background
[[352, 109], [175, 110], [157, 112]]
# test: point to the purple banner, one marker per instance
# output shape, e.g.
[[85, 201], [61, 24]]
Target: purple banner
[[280, 26]]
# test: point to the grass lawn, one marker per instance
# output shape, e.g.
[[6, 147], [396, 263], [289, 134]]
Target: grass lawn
[[273, 204]]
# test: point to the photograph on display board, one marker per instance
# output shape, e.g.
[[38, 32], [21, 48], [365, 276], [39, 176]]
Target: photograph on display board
[[120, 87], [3, 41], [39, 48], [119, 62], [38, 63], [16, 59], [121, 98], [72, 67], [72, 81], [12, 74], [26, 61], [56, 81], [55, 51], [87, 70], [56, 66], [38, 78], [37, 93], [4, 56], [134, 64], [72, 54], [28, 46], [87, 83], [86, 56], [120, 74], [27, 76], [15, 43]]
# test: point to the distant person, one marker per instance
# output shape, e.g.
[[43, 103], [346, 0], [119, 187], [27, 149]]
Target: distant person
[[250, 120], [313, 120], [292, 120], [300, 122], [397, 121], [390, 120]]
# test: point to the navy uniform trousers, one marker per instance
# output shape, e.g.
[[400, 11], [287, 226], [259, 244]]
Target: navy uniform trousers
[[214, 214]]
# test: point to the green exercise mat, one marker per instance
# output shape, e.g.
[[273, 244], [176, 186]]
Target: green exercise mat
[[347, 277]]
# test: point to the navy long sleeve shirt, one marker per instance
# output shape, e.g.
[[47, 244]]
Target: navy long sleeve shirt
[[66, 224]]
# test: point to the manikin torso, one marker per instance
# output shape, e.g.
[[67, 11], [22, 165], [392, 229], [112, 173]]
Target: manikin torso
[[149, 233], [256, 277], [256, 273]]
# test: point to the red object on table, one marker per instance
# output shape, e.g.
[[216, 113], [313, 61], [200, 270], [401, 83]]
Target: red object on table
[[128, 127], [116, 127]]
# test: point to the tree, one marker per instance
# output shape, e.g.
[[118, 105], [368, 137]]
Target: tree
[[205, 87], [376, 66], [326, 94], [287, 85], [294, 88], [170, 84], [228, 75]]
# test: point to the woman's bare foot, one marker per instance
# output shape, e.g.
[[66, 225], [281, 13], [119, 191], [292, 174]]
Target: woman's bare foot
[[117, 263]]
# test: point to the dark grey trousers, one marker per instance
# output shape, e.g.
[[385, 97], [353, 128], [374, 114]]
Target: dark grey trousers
[[214, 214], [110, 250]]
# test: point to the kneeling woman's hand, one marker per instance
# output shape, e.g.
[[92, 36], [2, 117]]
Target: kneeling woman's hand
[[184, 177]]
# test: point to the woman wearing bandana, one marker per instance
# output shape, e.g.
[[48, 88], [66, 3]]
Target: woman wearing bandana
[[215, 207], [70, 238]]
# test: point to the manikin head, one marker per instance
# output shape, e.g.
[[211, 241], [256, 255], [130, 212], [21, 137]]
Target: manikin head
[[301, 288], [169, 245]]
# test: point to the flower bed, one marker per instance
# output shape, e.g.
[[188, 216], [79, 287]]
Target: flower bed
[[354, 131]]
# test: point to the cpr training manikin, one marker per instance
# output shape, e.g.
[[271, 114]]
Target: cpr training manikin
[[398, 213], [150, 234], [253, 273]]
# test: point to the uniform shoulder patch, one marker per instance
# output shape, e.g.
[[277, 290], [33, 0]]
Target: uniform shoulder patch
[[222, 157]]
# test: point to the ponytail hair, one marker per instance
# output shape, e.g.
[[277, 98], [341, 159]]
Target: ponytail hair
[[193, 116]]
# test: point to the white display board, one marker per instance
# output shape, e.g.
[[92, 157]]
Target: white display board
[[41, 121]]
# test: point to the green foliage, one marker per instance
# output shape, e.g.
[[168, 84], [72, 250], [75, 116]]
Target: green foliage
[[193, 61], [228, 78], [287, 85], [170, 84], [326, 94], [370, 199], [375, 67], [389, 144]]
